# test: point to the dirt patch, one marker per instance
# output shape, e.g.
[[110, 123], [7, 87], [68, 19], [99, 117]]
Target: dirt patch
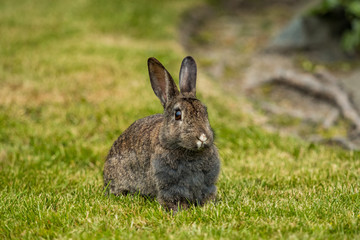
[[227, 34]]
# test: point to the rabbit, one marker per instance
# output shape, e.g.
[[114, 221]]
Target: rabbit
[[169, 156]]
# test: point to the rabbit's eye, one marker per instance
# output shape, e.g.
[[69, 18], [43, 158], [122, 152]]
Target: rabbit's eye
[[177, 115]]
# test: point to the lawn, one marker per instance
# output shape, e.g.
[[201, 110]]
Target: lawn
[[73, 76]]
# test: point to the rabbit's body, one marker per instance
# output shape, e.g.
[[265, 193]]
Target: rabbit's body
[[170, 156], [128, 162]]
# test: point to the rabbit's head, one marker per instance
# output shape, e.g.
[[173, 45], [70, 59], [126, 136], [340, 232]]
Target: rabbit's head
[[185, 123]]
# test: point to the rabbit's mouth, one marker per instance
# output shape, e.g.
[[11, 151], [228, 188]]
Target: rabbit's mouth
[[197, 144], [202, 141]]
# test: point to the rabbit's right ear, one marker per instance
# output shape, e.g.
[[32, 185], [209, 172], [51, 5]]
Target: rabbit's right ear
[[161, 81], [187, 77]]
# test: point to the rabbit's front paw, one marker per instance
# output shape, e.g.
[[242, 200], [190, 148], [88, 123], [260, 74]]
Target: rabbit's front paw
[[175, 206]]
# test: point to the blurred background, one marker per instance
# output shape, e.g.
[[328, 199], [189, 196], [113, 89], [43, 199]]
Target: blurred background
[[297, 61], [84, 55]]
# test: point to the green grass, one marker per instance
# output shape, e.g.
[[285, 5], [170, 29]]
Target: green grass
[[73, 76]]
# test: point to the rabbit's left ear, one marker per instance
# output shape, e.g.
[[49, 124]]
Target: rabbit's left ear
[[187, 77], [161, 81]]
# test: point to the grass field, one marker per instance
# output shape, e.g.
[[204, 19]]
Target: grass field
[[73, 76]]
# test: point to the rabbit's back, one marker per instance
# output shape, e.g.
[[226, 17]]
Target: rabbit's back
[[127, 166]]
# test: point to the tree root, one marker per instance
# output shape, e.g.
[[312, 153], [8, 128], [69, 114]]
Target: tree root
[[322, 85]]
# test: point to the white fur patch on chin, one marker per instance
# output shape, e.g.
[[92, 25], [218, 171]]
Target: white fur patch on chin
[[199, 144]]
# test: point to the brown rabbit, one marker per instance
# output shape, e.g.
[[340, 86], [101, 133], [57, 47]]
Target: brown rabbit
[[169, 156]]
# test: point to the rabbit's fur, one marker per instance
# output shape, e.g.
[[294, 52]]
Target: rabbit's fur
[[163, 156]]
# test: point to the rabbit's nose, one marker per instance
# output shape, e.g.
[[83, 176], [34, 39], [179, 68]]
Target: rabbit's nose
[[202, 140], [203, 137]]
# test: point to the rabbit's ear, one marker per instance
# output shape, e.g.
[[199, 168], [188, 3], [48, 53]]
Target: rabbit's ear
[[187, 77], [161, 81]]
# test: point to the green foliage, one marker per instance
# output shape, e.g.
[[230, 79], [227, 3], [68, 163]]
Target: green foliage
[[351, 37]]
